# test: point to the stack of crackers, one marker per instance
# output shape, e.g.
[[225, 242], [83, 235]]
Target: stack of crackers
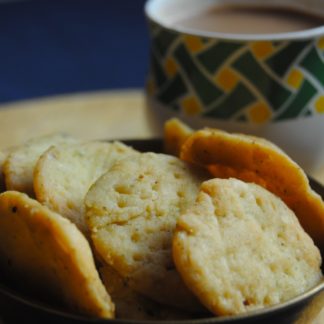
[[220, 223]]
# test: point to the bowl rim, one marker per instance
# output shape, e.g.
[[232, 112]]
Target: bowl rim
[[256, 314]]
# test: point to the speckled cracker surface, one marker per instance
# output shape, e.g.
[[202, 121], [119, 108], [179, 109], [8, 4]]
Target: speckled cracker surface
[[131, 213], [131, 305], [63, 175], [255, 159], [240, 248], [49, 254], [19, 166]]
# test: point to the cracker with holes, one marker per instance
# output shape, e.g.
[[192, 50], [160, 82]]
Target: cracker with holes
[[131, 213], [175, 134], [131, 305], [19, 166], [49, 254], [63, 175], [240, 248], [255, 159]]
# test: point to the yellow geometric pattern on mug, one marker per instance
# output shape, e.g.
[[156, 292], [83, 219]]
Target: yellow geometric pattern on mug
[[295, 79], [319, 105], [260, 80], [227, 79], [191, 106], [320, 43], [171, 67], [260, 113], [262, 49], [194, 44]]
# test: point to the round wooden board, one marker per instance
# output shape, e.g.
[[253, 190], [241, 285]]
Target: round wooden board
[[98, 115]]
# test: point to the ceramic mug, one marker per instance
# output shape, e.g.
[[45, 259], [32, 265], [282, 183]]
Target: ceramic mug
[[269, 85]]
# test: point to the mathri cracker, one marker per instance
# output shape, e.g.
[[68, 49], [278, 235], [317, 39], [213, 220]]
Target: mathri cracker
[[240, 248], [50, 255]]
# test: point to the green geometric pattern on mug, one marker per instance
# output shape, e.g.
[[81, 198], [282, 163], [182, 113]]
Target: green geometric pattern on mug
[[255, 82]]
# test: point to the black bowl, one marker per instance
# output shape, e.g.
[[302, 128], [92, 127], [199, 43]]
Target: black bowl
[[17, 306]]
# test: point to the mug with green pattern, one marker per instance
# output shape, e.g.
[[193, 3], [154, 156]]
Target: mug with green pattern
[[270, 85]]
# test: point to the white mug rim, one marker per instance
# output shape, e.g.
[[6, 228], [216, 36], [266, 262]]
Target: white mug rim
[[312, 33]]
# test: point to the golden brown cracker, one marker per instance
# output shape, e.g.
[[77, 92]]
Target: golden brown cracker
[[249, 158], [175, 134], [132, 305], [131, 214], [63, 175], [240, 248], [19, 166], [49, 254]]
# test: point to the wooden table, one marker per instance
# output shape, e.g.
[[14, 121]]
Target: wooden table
[[99, 115]]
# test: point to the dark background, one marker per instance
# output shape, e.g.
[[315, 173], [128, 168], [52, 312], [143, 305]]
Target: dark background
[[55, 47]]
